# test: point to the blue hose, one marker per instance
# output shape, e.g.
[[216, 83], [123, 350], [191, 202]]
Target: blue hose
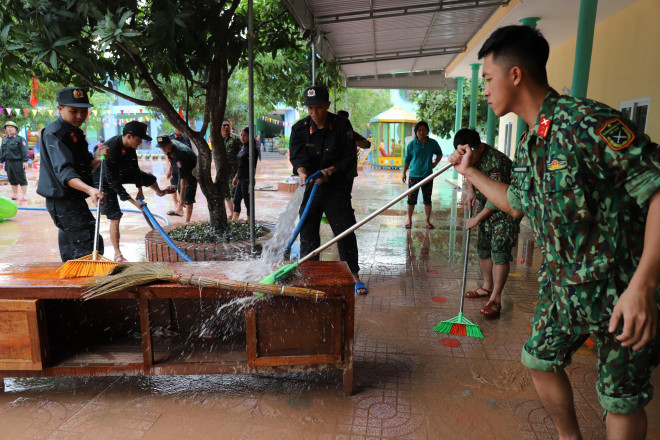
[[167, 222], [304, 214], [163, 234]]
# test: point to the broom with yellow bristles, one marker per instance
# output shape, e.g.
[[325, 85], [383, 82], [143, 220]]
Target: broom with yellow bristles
[[127, 275], [94, 264]]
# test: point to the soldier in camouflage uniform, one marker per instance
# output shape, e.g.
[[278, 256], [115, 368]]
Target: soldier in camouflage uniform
[[498, 231], [589, 182], [233, 146]]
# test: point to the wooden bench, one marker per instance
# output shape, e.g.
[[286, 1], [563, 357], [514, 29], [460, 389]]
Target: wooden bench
[[47, 330]]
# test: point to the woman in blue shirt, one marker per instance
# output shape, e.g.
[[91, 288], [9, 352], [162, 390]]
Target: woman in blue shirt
[[421, 161]]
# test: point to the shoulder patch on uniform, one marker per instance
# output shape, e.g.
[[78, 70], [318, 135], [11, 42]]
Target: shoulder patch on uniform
[[555, 165], [495, 176], [544, 126], [616, 134]]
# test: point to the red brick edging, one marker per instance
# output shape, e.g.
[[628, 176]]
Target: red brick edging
[[159, 250]]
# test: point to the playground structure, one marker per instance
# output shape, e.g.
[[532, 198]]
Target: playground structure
[[395, 130]]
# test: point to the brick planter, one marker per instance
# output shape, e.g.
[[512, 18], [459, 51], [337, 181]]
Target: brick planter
[[159, 250]]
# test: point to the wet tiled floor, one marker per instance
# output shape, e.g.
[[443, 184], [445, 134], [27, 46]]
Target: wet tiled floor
[[410, 382]]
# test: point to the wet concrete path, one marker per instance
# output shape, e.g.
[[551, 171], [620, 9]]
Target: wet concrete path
[[410, 382]]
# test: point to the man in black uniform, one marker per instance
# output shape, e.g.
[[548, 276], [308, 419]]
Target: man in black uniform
[[172, 172], [14, 154], [65, 175], [121, 167], [322, 141], [184, 160]]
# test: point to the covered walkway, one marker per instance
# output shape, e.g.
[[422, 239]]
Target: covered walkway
[[410, 382]]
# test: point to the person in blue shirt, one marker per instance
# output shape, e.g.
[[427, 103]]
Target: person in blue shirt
[[422, 155]]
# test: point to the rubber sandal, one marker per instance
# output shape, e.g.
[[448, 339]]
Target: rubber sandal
[[430, 226], [14, 198], [408, 225], [491, 310], [174, 213], [120, 259], [361, 286], [474, 293]]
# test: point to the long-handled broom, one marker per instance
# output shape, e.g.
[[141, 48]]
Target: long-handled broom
[[287, 269], [459, 325], [126, 275], [94, 264]]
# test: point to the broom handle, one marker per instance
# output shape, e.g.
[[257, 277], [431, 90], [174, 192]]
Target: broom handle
[[95, 254], [465, 263], [248, 286], [374, 214]]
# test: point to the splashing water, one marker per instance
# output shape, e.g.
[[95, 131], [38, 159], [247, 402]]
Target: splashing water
[[273, 249]]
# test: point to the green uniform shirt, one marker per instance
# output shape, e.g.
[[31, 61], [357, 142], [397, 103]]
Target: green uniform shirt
[[497, 166], [583, 175]]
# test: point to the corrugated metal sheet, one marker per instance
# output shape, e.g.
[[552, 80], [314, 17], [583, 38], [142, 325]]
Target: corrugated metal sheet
[[393, 36]]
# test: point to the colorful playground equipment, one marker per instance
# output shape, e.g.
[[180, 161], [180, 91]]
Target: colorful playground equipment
[[395, 130]]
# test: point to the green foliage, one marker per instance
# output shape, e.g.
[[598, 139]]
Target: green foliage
[[363, 104], [203, 232], [438, 109]]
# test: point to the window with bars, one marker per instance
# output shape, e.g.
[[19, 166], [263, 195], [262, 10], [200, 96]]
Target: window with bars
[[637, 111]]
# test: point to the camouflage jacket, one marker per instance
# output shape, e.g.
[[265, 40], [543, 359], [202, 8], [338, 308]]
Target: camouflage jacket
[[232, 146], [584, 175], [497, 166]]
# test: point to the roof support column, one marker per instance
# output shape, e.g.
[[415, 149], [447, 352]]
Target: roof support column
[[490, 127], [459, 103], [459, 109], [583, 46], [313, 64], [521, 127], [474, 90]]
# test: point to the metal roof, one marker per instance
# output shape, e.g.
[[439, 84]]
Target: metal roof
[[378, 43]]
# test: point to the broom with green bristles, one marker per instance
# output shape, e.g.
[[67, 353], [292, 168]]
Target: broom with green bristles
[[459, 325]]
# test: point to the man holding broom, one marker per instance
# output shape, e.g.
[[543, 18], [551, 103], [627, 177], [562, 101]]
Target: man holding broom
[[65, 175], [589, 182]]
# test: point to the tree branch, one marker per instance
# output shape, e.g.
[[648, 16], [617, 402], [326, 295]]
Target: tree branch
[[106, 88]]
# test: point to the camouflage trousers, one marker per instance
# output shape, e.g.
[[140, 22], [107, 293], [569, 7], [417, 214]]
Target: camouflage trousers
[[496, 238], [623, 374]]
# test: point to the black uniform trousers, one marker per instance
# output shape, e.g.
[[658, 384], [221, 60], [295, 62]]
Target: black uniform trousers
[[15, 172], [334, 199], [76, 226], [111, 208]]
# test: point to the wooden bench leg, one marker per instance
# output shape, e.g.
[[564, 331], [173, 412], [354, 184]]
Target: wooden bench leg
[[348, 380]]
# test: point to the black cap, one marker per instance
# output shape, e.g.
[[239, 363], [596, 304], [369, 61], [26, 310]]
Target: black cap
[[163, 140], [137, 128], [316, 95], [73, 96]]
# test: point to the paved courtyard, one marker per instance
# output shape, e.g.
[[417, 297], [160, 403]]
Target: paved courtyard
[[410, 382]]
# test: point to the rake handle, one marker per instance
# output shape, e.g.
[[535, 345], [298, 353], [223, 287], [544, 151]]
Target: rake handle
[[374, 214], [248, 286]]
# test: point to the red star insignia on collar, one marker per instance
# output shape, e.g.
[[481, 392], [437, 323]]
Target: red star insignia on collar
[[544, 126], [74, 138]]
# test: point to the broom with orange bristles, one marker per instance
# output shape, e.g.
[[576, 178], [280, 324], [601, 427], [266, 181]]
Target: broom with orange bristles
[[459, 325], [94, 264]]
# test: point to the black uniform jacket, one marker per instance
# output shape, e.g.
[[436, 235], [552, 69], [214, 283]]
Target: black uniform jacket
[[183, 159], [315, 149], [13, 148], [121, 166], [64, 156]]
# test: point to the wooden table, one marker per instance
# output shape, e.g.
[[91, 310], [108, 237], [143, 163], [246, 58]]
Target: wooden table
[[47, 330]]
